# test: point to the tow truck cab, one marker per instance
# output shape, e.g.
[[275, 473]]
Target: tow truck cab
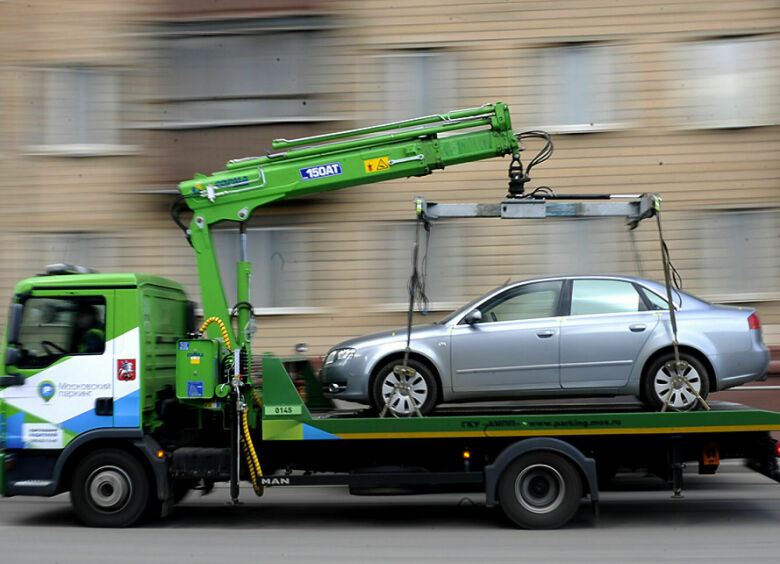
[[86, 358]]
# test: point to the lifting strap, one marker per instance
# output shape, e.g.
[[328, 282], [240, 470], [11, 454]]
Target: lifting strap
[[677, 367], [416, 286]]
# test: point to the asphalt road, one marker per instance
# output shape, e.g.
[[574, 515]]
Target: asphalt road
[[730, 517]]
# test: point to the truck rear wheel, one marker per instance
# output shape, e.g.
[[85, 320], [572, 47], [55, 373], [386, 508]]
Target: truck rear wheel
[[110, 489], [540, 490]]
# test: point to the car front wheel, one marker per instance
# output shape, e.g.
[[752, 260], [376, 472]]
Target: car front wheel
[[663, 386], [420, 389]]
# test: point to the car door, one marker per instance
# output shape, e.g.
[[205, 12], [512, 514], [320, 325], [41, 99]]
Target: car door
[[515, 345], [66, 361], [607, 326]]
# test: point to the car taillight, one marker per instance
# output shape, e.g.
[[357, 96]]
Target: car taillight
[[753, 322]]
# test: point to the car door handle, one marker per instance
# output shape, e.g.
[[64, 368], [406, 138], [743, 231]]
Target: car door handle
[[638, 328], [545, 334]]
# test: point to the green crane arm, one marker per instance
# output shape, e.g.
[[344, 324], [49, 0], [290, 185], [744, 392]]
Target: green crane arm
[[330, 162]]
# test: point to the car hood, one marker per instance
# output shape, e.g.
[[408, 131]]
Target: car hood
[[390, 336]]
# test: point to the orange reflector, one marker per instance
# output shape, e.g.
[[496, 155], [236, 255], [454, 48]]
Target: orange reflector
[[160, 454], [466, 454]]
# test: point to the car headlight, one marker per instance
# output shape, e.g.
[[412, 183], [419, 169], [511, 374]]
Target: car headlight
[[339, 354]]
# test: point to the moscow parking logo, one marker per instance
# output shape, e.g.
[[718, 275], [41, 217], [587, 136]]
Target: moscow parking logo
[[46, 390]]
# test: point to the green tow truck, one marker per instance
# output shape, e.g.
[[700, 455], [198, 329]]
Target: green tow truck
[[109, 390]]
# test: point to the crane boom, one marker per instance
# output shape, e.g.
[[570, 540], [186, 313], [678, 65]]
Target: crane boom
[[312, 165], [349, 158]]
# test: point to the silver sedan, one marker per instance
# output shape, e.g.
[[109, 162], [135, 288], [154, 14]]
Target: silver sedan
[[555, 337]]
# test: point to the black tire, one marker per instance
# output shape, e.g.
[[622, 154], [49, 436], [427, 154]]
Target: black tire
[[682, 399], [401, 406], [110, 489], [540, 490]]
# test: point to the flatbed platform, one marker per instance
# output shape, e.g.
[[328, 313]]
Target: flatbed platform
[[286, 418]]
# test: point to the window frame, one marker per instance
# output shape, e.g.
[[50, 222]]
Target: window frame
[[92, 299], [268, 310], [270, 28], [39, 144], [638, 288], [441, 54], [500, 297], [606, 53]]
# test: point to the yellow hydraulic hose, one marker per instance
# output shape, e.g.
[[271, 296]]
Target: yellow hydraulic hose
[[255, 470], [252, 461], [222, 329]]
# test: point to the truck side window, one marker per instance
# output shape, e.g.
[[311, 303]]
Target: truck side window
[[53, 327]]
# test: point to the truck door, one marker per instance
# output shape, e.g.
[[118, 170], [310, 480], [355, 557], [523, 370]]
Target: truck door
[[67, 359]]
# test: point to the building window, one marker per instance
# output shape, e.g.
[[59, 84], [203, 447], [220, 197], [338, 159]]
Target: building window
[[590, 246], [281, 268], [738, 251], [99, 251], [74, 111], [730, 82], [418, 83], [220, 80], [444, 268], [578, 89]]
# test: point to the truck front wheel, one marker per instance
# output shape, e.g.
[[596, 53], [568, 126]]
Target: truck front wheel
[[110, 489], [540, 490]]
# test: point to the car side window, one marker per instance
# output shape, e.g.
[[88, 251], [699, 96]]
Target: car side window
[[656, 302], [592, 297], [530, 301]]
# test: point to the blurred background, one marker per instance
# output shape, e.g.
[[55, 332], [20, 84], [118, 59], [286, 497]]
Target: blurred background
[[105, 106]]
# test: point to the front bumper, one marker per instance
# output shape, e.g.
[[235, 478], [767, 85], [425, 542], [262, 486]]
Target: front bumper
[[346, 379]]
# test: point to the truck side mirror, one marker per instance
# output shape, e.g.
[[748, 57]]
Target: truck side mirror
[[14, 323], [12, 356], [11, 380], [472, 317]]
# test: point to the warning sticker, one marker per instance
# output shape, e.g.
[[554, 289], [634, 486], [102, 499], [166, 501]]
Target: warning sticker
[[375, 165], [194, 389]]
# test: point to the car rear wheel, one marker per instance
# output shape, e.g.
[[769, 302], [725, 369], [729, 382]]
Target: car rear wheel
[[662, 386], [540, 490], [420, 389]]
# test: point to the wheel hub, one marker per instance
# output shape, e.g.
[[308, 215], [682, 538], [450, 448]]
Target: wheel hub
[[109, 488], [540, 488], [402, 389]]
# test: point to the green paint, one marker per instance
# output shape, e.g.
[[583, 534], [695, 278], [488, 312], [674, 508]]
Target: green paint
[[282, 430]]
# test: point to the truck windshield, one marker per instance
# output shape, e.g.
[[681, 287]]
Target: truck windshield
[[53, 327]]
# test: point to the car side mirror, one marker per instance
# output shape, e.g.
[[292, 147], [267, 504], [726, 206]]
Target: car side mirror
[[472, 317]]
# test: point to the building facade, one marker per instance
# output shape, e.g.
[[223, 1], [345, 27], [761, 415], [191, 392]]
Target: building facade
[[105, 106]]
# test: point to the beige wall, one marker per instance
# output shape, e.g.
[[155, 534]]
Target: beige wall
[[349, 249]]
